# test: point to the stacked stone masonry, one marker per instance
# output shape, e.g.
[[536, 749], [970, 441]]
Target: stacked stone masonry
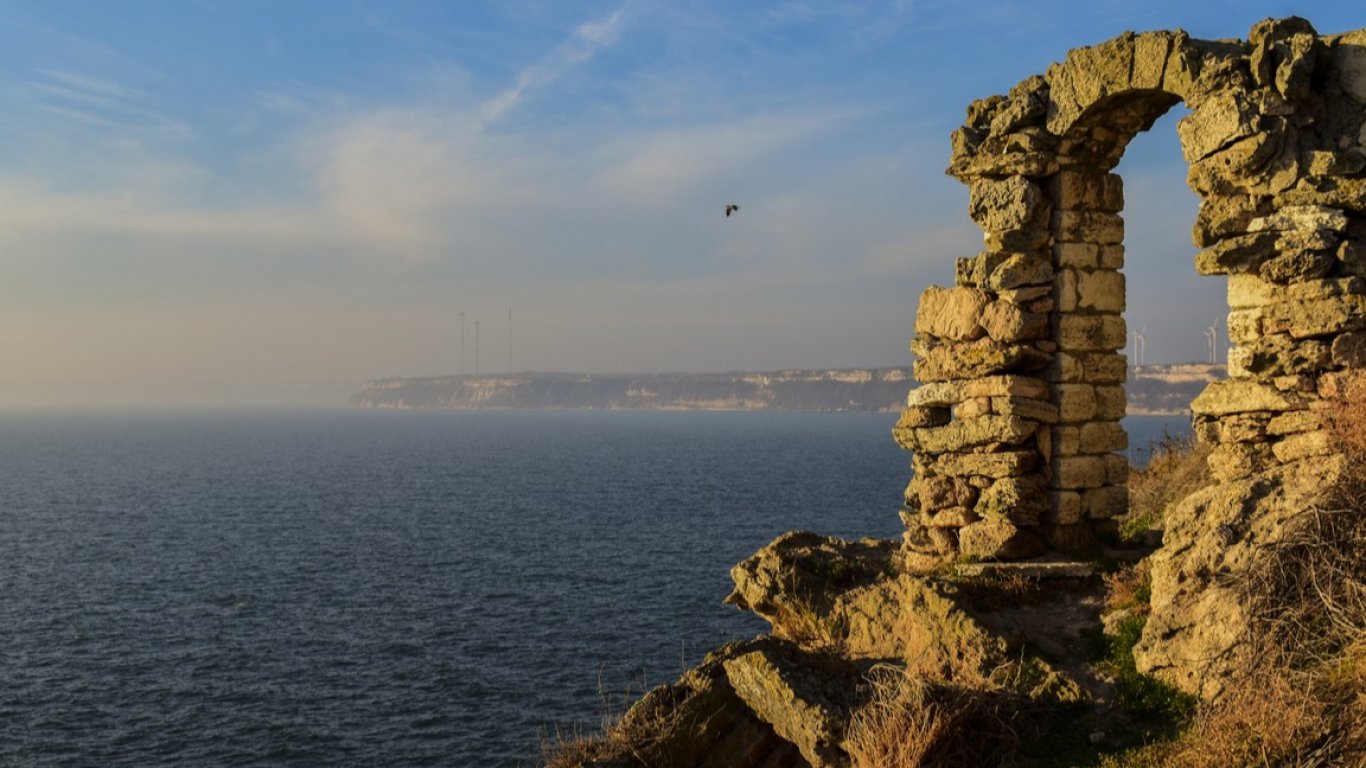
[[1015, 428]]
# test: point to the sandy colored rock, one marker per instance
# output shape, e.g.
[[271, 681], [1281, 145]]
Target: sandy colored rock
[[1006, 321], [1020, 270], [1015, 500], [951, 313], [1198, 629], [1234, 396], [998, 540], [954, 392]]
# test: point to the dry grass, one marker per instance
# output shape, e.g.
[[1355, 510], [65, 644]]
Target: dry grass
[[1175, 468], [1300, 699], [1128, 587], [912, 722], [620, 740]]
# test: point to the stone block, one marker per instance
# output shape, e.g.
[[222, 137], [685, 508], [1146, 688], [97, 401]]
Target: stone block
[[1150, 60], [1245, 325], [1302, 446], [1066, 441], [974, 359], [1292, 422], [1065, 508], [1100, 290], [1296, 266], [1086, 333], [1041, 411], [993, 465], [945, 540], [1005, 321], [1076, 255], [1089, 367], [1013, 209], [1279, 355], [967, 433], [1112, 256], [1293, 383], [951, 313], [998, 540], [954, 392], [1222, 216], [1065, 290], [1111, 403], [1034, 298], [1349, 64], [1043, 442], [1017, 500], [1086, 190], [1076, 403], [951, 517], [1349, 350], [1221, 398], [1077, 472], [934, 492], [923, 416], [1117, 470], [1019, 270], [1088, 227], [1240, 253], [973, 271], [1106, 502], [1215, 123], [1305, 319], [1243, 428], [1247, 291], [1103, 437], [1231, 461], [972, 408], [1302, 218]]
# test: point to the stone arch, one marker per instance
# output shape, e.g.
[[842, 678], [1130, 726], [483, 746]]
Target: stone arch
[[1015, 427]]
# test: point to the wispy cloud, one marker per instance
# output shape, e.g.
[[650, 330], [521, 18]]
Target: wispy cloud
[[100, 101], [582, 45]]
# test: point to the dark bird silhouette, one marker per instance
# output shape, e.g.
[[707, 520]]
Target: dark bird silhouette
[[731, 208]]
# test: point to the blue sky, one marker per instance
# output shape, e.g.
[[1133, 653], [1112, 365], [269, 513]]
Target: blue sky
[[212, 202]]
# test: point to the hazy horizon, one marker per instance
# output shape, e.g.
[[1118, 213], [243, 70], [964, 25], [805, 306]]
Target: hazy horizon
[[253, 203]]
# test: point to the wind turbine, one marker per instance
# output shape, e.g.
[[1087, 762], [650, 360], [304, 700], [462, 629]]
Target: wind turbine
[[1140, 347], [1212, 335]]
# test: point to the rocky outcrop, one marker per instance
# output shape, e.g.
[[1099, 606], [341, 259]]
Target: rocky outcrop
[[1197, 636], [1019, 361], [840, 612]]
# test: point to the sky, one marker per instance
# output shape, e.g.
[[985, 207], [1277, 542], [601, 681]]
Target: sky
[[220, 202]]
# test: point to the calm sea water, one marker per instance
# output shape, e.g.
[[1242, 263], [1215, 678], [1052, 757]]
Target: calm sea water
[[388, 588]]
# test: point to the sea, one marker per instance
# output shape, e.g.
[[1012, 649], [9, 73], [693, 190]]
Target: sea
[[395, 588]]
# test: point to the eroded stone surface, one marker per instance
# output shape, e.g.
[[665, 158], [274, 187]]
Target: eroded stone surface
[[1276, 146]]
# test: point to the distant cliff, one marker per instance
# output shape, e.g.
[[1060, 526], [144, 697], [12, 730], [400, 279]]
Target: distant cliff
[[1158, 388], [1169, 388], [865, 389]]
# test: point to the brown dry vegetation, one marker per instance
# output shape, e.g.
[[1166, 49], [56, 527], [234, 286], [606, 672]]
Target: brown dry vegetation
[[914, 722], [1300, 699], [1175, 469]]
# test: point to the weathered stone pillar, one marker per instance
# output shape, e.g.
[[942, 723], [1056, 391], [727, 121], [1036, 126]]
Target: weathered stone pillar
[[1089, 478]]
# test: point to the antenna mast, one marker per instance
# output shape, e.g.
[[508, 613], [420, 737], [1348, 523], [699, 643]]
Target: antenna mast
[[509, 339], [462, 343], [476, 346]]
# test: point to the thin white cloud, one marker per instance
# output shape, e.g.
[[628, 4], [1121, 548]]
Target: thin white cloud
[[582, 45], [103, 102]]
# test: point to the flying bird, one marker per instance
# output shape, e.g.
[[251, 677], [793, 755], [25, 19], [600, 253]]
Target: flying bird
[[731, 208]]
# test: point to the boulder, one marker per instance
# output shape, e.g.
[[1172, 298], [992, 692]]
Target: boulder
[[1197, 633]]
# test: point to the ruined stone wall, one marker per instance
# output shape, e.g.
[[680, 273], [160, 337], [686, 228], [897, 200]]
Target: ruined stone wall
[[1015, 429]]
